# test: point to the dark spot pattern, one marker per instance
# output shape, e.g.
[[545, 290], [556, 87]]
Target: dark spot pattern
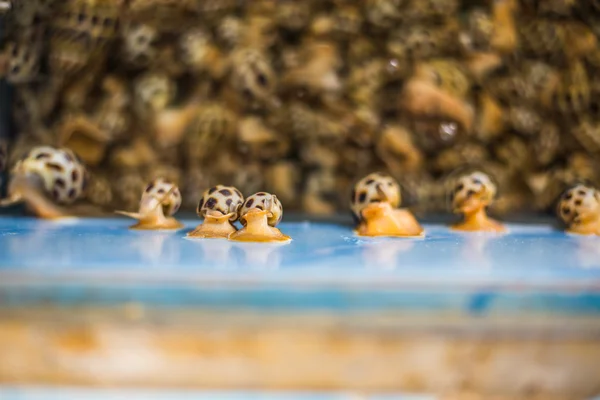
[[262, 80], [261, 194], [249, 203], [160, 191], [42, 155], [75, 176], [566, 210], [369, 181], [362, 197], [211, 202], [581, 192], [60, 183], [200, 204], [212, 190], [353, 195], [55, 167], [578, 202], [471, 192], [72, 193], [228, 202], [68, 157], [569, 196], [459, 187], [225, 192], [238, 193], [477, 181], [260, 207]]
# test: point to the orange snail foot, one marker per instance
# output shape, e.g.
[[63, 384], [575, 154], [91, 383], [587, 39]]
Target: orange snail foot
[[152, 222], [591, 228], [481, 224], [258, 230], [213, 227], [380, 219]]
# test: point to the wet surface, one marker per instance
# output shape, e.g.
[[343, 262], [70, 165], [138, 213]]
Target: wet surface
[[319, 252], [99, 261]]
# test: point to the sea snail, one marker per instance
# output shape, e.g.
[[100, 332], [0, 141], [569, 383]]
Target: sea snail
[[160, 201], [45, 179], [220, 207], [374, 203], [260, 215], [471, 195], [579, 208]]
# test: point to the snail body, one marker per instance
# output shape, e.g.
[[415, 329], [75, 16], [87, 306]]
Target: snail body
[[160, 201], [375, 204], [579, 209], [47, 179], [220, 208], [260, 215], [471, 196]]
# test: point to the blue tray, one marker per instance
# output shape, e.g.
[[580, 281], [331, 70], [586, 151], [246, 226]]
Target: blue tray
[[533, 268]]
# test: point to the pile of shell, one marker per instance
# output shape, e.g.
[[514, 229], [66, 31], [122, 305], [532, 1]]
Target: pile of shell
[[300, 98]]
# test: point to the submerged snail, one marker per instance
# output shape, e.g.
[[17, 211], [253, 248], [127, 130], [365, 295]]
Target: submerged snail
[[374, 203], [260, 215], [471, 196], [220, 208], [46, 177], [160, 200], [579, 208]]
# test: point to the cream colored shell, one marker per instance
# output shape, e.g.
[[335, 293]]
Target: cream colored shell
[[62, 174], [374, 188], [264, 201], [579, 202], [225, 199], [468, 185], [162, 192]]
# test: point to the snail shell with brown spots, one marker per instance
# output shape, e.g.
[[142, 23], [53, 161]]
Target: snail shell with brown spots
[[46, 178], [260, 215], [164, 192], [224, 199], [160, 200], [220, 207], [472, 194], [375, 187], [266, 202], [62, 174], [579, 208], [468, 185], [375, 205]]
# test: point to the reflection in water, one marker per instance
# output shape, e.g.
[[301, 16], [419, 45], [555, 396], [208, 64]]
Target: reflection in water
[[218, 252], [154, 248], [473, 250], [383, 255], [261, 255], [27, 245], [588, 251]]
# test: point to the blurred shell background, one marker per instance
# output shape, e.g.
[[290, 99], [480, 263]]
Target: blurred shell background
[[302, 98]]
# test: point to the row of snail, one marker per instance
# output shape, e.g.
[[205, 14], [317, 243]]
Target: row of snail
[[220, 206], [48, 179]]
